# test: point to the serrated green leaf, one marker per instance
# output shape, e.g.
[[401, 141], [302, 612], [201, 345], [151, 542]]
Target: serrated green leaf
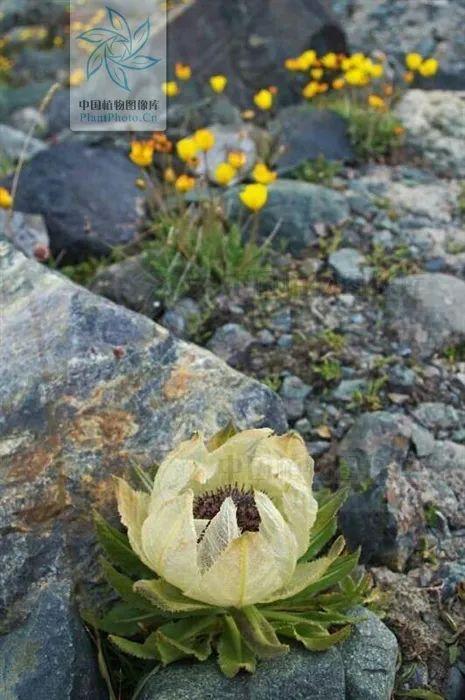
[[422, 693], [325, 525], [258, 633], [147, 650], [125, 587], [313, 637], [126, 620], [319, 540], [190, 637], [222, 436], [169, 598], [233, 653], [341, 568], [118, 550]]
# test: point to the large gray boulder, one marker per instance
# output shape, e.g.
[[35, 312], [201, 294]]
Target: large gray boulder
[[88, 388], [426, 311], [362, 668]]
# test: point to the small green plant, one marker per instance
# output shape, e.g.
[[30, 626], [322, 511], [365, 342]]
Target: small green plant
[[461, 200], [332, 340], [329, 369], [370, 399], [198, 249], [390, 264], [83, 272], [455, 353], [331, 242], [374, 133], [320, 171]]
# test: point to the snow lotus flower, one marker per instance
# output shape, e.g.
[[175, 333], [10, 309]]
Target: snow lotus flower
[[227, 523]]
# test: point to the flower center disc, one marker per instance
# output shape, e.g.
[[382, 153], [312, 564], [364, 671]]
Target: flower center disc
[[207, 505]]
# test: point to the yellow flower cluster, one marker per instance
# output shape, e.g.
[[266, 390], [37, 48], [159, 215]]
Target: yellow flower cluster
[[356, 70], [426, 67], [6, 200]]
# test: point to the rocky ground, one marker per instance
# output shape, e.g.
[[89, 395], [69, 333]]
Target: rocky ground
[[356, 340]]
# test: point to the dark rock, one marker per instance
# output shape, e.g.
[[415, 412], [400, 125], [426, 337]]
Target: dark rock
[[350, 267], [251, 39], [129, 283], [306, 134], [385, 518], [87, 196], [455, 689], [50, 656], [293, 391], [28, 12], [365, 663], [88, 390], [375, 441], [438, 416], [230, 342], [426, 311]]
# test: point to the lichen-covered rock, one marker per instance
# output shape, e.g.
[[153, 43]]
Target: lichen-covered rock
[[89, 388], [130, 283], [363, 667], [27, 232], [425, 311], [435, 125]]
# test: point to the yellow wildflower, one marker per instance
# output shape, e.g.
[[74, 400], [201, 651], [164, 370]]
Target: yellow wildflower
[[429, 68], [317, 73], [58, 41], [264, 99], [413, 61], [292, 64], [187, 148], [171, 88], [262, 174], [183, 71], [205, 139], [224, 174], [409, 76], [254, 197], [357, 77], [339, 83], [184, 183], [375, 70], [169, 175], [330, 60], [376, 102], [218, 83], [311, 89], [6, 200], [76, 77], [323, 87], [141, 153], [306, 59], [237, 159]]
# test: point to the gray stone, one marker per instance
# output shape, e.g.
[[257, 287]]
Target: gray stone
[[13, 141], [370, 659], [89, 388], [27, 232], [363, 664], [293, 209], [293, 391], [423, 441], [435, 125], [50, 656], [346, 389], [182, 318], [425, 311], [13, 98], [28, 117], [130, 283], [230, 342], [87, 196], [375, 441], [350, 267], [227, 139], [436, 415], [306, 134]]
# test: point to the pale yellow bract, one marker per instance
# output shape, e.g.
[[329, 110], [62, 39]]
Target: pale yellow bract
[[212, 561]]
